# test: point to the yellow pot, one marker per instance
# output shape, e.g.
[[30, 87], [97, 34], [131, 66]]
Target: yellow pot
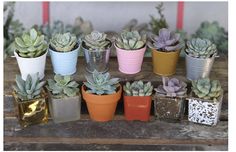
[[164, 63]]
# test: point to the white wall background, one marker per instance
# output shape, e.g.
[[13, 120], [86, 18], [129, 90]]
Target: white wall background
[[107, 16]]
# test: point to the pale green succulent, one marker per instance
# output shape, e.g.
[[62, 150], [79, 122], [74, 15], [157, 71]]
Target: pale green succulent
[[207, 89], [215, 33], [96, 41], [62, 86], [30, 44], [201, 48], [63, 42], [131, 40], [30, 88], [138, 88], [101, 84]]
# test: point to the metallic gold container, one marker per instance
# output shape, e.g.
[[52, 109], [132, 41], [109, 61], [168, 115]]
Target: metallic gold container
[[31, 112]]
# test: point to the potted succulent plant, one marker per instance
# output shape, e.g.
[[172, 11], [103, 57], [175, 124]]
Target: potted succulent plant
[[96, 47], [64, 99], [30, 100], [101, 94], [137, 100], [63, 50], [165, 52], [130, 49], [204, 105], [200, 56], [169, 101], [30, 52]]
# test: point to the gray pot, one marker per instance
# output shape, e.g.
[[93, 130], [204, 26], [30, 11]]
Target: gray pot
[[64, 109], [97, 60], [198, 68]]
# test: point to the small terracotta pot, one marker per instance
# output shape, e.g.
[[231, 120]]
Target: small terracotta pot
[[137, 108], [164, 63], [101, 107]]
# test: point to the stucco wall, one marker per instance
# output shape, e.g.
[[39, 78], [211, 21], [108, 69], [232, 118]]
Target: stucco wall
[[113, 15]]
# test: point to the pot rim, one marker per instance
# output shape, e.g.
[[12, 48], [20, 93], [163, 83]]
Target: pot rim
[[136, 50], [219, 99], [43, 96], [165, 96], [169, 52], [17, 55], [85, 94], [211, 58], [104, 50], [65, 97], [51, 49]]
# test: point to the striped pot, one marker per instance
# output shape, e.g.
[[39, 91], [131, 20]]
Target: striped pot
[[64, 63], [130, 61]]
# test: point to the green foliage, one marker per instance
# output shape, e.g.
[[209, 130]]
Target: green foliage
[[30, 44], [158, 23], [131, 40], [63, 42], [138, 88], [172, 87], [101, 84], [214, 33], [79, 28], [30, 88], [201, 48], [12, 28], [62, 86], [96, 41], [133, 25], [207, 89]]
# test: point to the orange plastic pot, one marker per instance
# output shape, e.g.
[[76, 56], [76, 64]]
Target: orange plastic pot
[[164, 63], [137, 108], [101, 107]]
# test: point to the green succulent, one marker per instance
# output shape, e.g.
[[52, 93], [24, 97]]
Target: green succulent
[[131, 40], [30, 88], [214, 33], [62, 86], [133, 25], [207, 89], [201, 48], [158, 23], [30, 44], [100, 84], [138, 88], [96, 41], [63, 42]]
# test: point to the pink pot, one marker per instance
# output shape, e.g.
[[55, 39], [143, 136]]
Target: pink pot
[[130, 62]]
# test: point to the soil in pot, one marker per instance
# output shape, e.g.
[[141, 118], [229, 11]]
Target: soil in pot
[[101, 107], [137, 107], [164, 63], [168, 108]]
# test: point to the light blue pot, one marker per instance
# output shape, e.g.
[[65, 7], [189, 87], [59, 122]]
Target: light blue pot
[[64, 63]]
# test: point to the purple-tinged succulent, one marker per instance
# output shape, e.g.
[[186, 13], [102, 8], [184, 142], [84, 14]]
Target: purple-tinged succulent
[[166, 41], [172, 87]]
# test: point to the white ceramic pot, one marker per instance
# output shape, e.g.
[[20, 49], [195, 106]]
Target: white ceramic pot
[[31, 65]]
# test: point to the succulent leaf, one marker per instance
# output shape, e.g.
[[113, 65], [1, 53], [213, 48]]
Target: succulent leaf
[[138, 88], [131, 40], [30, 88]]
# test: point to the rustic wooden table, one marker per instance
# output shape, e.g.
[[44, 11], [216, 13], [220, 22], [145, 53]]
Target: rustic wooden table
[[117, 134]]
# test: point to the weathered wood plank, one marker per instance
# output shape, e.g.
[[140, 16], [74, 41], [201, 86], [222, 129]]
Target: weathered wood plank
[[62, 147], [120, 129]]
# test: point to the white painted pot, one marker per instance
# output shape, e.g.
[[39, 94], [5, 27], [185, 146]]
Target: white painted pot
[[31, 65]]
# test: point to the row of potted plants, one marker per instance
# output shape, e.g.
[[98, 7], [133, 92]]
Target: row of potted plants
[[102, 93], [31, 50]]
